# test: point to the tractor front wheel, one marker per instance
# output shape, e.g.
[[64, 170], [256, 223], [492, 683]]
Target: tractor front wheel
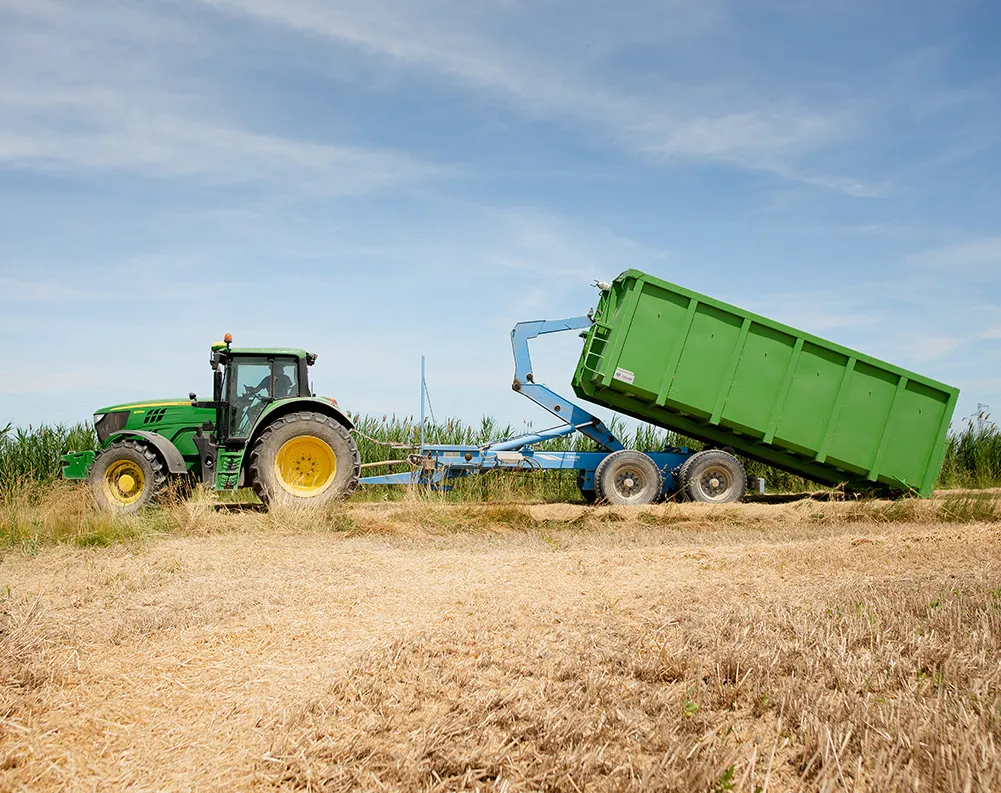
[[126, 477], [304, 459]]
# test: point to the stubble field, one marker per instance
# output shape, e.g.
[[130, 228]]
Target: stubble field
[[415, 646]]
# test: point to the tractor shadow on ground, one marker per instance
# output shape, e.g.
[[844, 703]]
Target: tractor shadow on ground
[[240, 507]]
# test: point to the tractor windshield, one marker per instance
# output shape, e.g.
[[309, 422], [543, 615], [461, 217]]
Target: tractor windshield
[[253, 383]]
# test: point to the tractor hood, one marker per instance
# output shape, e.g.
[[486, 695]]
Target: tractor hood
[[163, 416], [145, 405]]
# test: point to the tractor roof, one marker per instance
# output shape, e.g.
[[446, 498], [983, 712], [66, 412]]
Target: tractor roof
[[284, 351]]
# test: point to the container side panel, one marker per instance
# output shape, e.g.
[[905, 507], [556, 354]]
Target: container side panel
[[915, 434], [862, 419], [934, 468], [811, 399], [705, 360], [655, 332], [758, 379]]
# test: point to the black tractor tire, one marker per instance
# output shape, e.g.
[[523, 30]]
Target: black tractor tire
[[320, 438], [628, 478], [713, 477], [126, 477]]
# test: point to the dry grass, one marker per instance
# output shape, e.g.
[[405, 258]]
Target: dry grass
[[422, 646]]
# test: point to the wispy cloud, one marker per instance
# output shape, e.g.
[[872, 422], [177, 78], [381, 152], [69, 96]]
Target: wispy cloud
[[550, 248], [668, 120], [975, 258], [116, 104], [111, 133]]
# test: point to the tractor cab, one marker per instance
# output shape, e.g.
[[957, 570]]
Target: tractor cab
[[248, 380]]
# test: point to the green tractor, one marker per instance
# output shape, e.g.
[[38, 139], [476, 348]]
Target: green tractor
[[262, 429]]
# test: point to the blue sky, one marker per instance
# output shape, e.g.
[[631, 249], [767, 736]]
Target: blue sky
[[377, 179]]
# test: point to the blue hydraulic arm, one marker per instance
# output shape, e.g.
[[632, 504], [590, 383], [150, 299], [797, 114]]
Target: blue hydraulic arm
[[524, 383], [437, 463]]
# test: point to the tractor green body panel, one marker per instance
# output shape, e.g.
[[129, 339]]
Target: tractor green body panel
[[686, 362], [174, 419]]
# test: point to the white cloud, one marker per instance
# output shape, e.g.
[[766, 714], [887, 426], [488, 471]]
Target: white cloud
[[121, 137], [978, 257], [112, 93], [551, 248], [498, 48]]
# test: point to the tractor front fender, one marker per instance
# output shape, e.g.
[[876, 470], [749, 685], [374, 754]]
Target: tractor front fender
[[168, 451]]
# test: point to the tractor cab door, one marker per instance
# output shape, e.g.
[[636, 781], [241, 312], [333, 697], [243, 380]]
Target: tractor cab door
[[253, 382]]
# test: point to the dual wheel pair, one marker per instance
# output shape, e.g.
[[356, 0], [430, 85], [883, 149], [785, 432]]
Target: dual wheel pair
[[300, 459], [633, 478]]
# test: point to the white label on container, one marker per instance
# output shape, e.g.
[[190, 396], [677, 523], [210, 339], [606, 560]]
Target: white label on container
[[624, 375]]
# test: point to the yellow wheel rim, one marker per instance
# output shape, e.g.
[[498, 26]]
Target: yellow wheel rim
[[124, 482], [305, 466]]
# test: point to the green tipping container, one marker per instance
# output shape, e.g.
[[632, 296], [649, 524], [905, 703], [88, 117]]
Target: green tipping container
[[683, 361]]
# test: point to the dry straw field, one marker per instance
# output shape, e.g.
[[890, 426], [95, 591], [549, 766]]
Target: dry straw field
[[428, 646]]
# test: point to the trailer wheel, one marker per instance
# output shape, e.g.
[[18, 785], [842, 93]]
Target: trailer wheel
[[126, 477], [628, 477], [713, 477], [304, 459]]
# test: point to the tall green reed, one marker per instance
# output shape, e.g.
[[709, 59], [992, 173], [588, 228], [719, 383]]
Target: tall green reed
[[33, 454], [973, 454]]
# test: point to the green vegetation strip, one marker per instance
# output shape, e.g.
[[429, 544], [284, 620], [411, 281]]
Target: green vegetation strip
[[973, 458]]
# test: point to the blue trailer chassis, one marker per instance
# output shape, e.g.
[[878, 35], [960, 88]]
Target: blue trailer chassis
[[434, 465]]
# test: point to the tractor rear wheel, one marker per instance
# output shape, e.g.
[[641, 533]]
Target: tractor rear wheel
[[628, 477], [713, 477], [304, 459], [126, 477]]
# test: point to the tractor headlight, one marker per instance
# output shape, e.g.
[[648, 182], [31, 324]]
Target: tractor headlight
[[107, 424]]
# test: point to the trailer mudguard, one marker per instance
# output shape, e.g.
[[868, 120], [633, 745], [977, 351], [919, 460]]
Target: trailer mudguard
[[168, 451]]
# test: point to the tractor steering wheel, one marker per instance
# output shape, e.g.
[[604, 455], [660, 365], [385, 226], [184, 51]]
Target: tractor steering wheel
[[244, 404]]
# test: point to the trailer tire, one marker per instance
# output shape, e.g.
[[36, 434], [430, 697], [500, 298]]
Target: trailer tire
[[713, 477], [304, 459], [629, 478], [126, 477]]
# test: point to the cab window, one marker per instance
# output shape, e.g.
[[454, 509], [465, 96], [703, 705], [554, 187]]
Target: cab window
[[286, 378], [254, 383]]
